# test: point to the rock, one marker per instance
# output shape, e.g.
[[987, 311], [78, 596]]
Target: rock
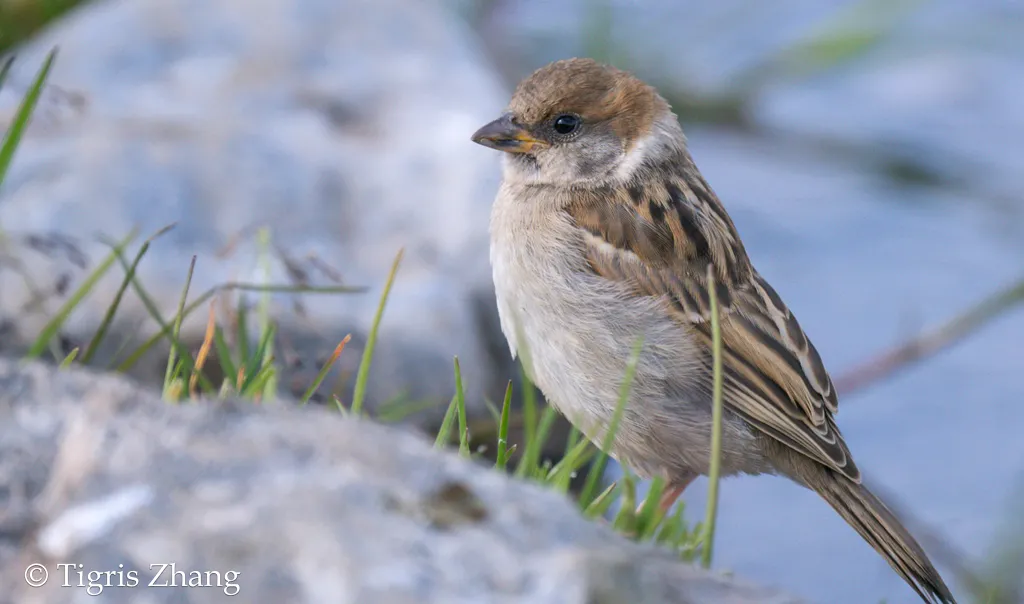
[[304, 505], [343, 126]]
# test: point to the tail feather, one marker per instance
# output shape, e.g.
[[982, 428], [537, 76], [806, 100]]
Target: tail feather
[[880, 528]]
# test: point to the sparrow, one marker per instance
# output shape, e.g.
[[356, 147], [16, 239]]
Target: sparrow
[[604, 233]]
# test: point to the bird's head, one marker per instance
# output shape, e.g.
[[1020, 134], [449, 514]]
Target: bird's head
[[578, 122]]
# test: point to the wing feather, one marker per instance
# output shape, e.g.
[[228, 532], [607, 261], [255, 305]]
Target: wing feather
[[660, 239]]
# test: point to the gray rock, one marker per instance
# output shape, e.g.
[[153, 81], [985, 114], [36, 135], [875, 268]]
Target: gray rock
[[343, 126], [303, 504]]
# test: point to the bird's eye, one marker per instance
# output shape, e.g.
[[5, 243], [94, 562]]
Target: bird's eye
[[566, 124]]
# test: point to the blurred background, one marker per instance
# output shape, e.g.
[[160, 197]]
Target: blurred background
[[869, 152]]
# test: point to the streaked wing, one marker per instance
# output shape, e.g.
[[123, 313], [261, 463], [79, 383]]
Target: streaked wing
[[660, 239]]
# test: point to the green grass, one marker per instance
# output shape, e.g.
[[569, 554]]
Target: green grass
[[250, 371], [244, 348], [711, 513]]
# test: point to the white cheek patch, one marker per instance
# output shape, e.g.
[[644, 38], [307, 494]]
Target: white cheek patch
[[633, 159], [559, 169]]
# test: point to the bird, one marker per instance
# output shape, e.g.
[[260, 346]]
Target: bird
[[604, 234]]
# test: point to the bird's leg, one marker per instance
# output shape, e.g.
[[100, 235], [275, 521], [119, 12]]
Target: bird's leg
[[671, 493]]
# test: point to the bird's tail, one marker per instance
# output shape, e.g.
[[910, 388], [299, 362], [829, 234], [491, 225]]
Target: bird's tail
[[880, 527]]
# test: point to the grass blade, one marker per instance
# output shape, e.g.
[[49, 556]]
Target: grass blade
[[258, 359], [171, 359], [711, 513], [6, 70], [21, 119], [108, 318], [561, 475], [535, 439], [535, 447], [23, 20], [204, 351], [258, 383], [259, 362], [165, 328], [494, 411], [675, 534], [609, 438], [547, 419], [849, 34], [650, 514], [263, 311], [54, 325], [359, 394], [625, 518], [339, 406], [445, 432], [325, 370], [69, 359], [603, 502], [227, 365], [242, 332], [529, 422], [460, 405], [571, 441], [501, 455], [396, 412]]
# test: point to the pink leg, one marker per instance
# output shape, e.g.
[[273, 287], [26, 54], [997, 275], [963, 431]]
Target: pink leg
[[672, 493]]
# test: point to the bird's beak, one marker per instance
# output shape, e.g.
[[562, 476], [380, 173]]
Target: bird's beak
[[502, 134]]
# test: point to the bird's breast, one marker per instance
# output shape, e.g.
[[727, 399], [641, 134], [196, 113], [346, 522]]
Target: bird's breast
[[574, 330]]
